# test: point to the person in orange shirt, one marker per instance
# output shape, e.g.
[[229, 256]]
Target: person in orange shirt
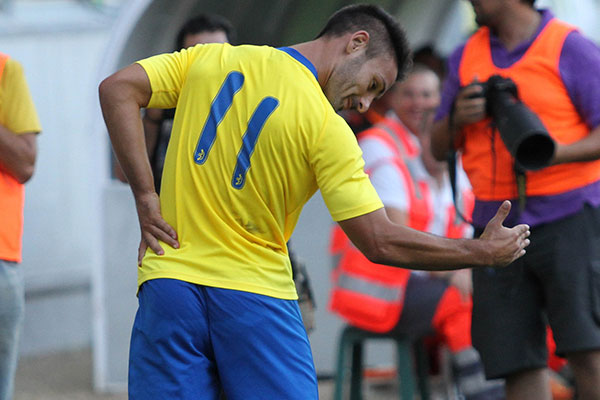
[[555, 69], [19, 125]]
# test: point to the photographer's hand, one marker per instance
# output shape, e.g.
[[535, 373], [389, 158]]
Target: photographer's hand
[[469, 106]]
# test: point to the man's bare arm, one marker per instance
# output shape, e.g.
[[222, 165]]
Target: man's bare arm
[[384, 242], [121, 97], [151, 124]]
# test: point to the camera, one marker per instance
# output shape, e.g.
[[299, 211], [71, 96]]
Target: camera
[[521, 130]]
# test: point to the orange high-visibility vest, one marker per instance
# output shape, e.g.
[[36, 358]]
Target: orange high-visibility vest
[[367, 295], [371, 296], [12, 198], [399, 140], [486, 160]]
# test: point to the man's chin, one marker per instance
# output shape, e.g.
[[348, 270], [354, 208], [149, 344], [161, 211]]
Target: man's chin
[[336, 107]]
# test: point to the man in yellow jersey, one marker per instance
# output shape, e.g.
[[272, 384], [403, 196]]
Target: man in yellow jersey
[[255, 135]]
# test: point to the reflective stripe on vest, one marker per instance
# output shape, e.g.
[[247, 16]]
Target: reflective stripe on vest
[[370, 288], [537, 76], [367, 295]]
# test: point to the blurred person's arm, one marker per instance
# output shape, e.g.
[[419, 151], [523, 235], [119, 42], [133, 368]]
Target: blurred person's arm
[[122, 95], [586, 149], [18, 153], [18, 148]]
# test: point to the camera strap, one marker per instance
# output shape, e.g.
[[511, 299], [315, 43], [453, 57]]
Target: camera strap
[[451, 160], [521, 180], [520, 177]]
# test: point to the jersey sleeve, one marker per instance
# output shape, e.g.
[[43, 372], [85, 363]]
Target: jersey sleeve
[[18, 113], [167, 73], [381, 164], [339, 169]]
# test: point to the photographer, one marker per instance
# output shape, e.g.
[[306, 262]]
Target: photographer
[[556, 71]]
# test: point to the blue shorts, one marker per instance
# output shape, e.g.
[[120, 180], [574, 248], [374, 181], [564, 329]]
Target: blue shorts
[[198, 342]]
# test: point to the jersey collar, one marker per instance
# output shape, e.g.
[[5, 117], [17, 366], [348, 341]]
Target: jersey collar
[[301, 59]]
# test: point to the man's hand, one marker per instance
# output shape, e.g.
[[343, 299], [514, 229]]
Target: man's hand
[[505, 244], [153, 226]]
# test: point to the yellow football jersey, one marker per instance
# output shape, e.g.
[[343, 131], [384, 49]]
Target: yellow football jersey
[[253, 138]]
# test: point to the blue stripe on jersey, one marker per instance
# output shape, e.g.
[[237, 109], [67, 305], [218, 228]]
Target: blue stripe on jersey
[[257, 121], [222, 102]]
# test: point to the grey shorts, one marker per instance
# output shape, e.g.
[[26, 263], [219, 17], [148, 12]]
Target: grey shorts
[[423, 294], [556, 282]]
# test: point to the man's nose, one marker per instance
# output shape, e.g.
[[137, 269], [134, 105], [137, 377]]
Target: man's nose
[[364, 103]]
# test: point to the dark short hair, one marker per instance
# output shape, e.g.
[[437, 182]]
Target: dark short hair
[[386, 34], [427, 55], [204, 23], [530, 2], [418, 67]]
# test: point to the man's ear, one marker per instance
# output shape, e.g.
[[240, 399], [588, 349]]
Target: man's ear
[[358, 41]]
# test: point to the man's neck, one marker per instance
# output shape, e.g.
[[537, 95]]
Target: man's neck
[[517, 26], [322, 54]]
